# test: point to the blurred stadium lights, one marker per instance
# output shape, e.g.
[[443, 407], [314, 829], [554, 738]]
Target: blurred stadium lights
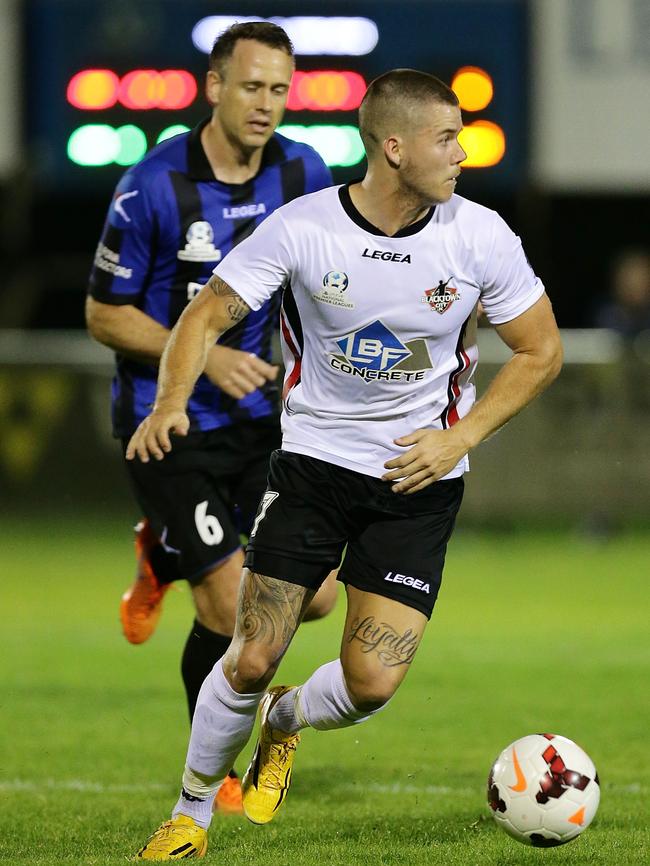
[[484, 143], [171, 131], [97, 144], [326, 90], [139, 90], [473, 87], [338, 145], [309, 34]]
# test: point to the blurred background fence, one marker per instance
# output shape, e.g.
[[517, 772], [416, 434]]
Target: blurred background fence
[[579, 456]]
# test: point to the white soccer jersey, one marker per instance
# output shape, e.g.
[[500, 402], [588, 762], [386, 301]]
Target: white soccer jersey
[[378, 333]]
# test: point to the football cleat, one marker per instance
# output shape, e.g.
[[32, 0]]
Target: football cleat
[[141, 604], [268, 777], [178, 839], [229, 796]]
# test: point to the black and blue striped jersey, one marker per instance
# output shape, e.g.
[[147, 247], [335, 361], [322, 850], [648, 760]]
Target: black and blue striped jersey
[[169, 223]]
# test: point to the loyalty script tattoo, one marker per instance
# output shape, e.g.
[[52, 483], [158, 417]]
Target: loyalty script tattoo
[[392, 647]]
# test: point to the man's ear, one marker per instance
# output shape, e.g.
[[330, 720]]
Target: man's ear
[[393, 151], [213, 84]]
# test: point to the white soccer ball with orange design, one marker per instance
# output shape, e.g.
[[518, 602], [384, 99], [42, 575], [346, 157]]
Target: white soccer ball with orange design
[[543, 790]]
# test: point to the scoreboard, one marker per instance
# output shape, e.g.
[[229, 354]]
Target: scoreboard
[[106, 81]]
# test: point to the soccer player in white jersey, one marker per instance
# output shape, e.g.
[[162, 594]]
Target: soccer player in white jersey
[[381, 280]]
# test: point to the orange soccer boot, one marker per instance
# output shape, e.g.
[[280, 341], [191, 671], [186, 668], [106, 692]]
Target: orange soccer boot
[[141, 604]]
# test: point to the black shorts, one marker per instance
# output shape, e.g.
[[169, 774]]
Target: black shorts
[[396, 544], [204, 494]]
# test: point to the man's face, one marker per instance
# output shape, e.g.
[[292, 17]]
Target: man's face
[[432, 155], [251, 97]]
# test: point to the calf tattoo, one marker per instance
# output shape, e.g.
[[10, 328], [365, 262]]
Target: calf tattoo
[[270, 610], [237, 308], [391, 647]]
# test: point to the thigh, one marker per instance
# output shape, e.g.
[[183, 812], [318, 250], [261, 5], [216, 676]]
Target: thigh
[[400, 552], [188, 506], [269, 612], [380, 640]]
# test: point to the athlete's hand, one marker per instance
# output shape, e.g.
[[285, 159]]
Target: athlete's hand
[[237, 373], [433, 454], [153, 435]]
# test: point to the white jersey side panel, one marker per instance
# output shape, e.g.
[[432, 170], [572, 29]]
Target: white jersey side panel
[[378, 333]]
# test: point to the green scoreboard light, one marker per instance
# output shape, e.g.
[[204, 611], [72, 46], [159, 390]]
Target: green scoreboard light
[[101, 98]]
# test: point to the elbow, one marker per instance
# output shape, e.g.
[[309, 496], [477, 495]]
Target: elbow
[[553, 358], [96, 322]]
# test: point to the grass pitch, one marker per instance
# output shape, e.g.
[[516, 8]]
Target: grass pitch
[[531, 633]]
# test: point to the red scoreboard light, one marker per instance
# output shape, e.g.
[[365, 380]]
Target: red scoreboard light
[[325, 90], [141, 89]]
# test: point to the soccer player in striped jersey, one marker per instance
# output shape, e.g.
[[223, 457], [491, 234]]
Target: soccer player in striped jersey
[[174, 215], [380, 280]]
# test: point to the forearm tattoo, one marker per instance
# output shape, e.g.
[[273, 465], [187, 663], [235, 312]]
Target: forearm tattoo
[[391, 647], [270, 610], [236, 307]]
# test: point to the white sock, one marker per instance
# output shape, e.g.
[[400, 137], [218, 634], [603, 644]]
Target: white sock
[[323, 703], [222, 723]]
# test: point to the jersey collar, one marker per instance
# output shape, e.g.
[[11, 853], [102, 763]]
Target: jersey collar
[[198, 166], [362, 222]]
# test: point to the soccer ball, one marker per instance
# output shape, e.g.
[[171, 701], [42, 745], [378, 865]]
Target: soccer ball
[[543, 790], [336, 280]]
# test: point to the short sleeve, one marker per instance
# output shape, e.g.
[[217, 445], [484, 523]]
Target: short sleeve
[[509, 286], [260, 264], [123, 256]]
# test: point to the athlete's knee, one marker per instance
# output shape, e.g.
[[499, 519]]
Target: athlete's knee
[[367, 692], [249, 668]]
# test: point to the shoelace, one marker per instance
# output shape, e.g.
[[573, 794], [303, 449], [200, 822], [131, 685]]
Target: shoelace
[[278, 757]]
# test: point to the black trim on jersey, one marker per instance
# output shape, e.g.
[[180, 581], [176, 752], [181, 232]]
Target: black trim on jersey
[[190, 210], [362, 222], [293, 180], [243, 227], [293, 316], [198, 165], [457, 369]]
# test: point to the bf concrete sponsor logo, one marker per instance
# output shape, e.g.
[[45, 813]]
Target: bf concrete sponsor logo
[[335, 285], [199, 246], [375, 353], [442, 297], [415, 582]]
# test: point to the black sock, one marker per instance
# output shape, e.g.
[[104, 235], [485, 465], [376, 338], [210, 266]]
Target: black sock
[[203, 648], [164, 564]]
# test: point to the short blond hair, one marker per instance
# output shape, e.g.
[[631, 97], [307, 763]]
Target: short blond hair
[[394, 102]]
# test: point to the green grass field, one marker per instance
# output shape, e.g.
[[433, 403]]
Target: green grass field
[[531, 633]]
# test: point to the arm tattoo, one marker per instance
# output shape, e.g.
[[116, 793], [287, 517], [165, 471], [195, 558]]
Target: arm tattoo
[[270, 610], [391, 647], [236, 307]]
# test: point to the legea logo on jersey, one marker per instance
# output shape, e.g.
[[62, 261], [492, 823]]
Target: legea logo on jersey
[[199, 246], [442, 297], [243, 211], [335, 284], [375, 353]]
